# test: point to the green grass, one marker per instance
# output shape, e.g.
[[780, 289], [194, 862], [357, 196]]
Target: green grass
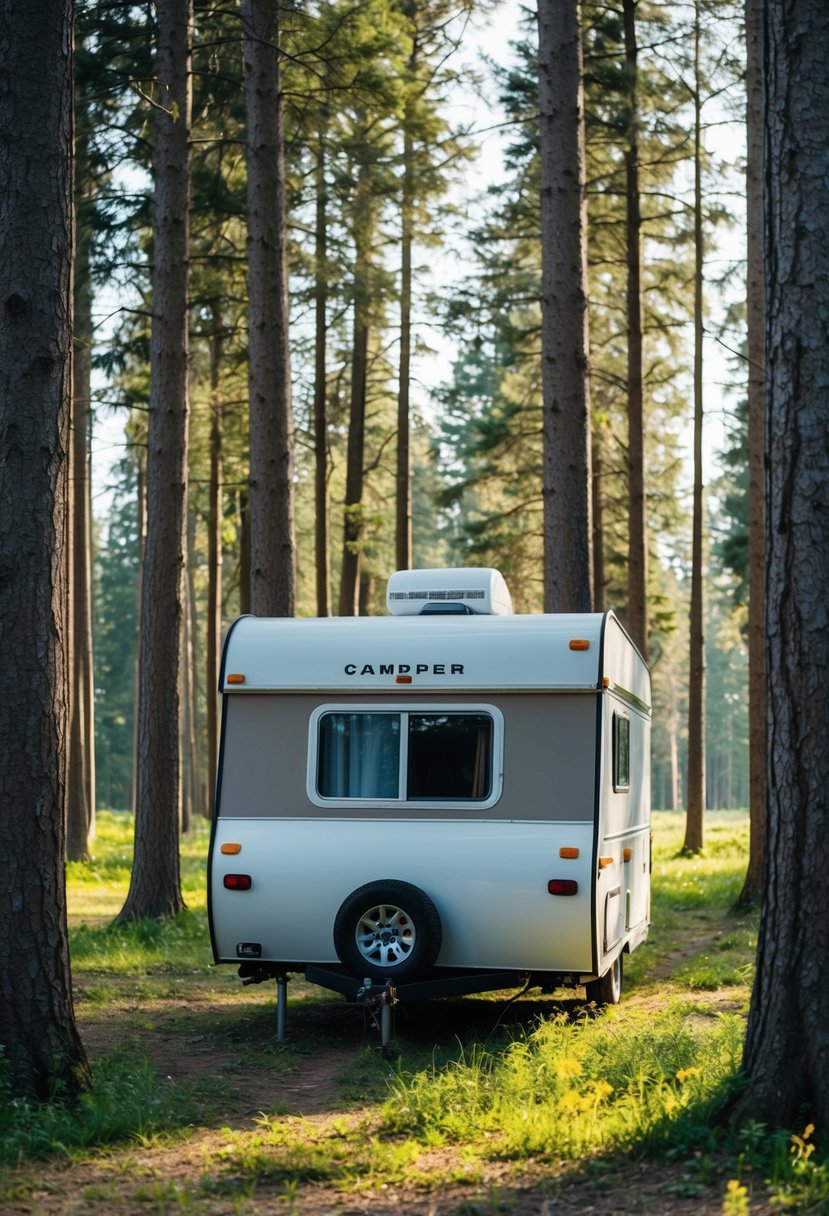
[[538, 1082], [128, 1102]]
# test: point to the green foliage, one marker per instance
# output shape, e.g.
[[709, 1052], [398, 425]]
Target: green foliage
[[114, 642], [127, 1101]]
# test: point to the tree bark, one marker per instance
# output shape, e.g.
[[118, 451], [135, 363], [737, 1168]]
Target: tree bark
[[273, 546], [80, 812], [155, 886], [695, 809], [403, 480], [786, 1058], [637, 614], [214, 557], [37, 1024], [564, 328], [597, 492], [321, 538], [141, 495], [244, 554], [355, 455], [755, 91]]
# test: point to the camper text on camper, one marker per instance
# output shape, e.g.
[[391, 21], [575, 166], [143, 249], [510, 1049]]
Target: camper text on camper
[[403, 669]]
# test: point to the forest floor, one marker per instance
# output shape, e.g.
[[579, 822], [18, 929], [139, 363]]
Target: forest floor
[[269, 1119]]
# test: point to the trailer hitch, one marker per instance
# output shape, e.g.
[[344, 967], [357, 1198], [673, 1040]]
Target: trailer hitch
[[385, 998]]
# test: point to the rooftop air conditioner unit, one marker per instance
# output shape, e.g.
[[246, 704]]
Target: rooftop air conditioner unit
[[475, 590]]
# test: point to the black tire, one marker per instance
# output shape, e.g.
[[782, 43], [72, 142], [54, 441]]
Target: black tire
[[607, 989], [388, 930]]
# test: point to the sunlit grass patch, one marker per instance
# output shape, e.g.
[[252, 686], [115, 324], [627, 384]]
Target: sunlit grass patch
[[96, 891], [97, 888], [683, 882], [568, 1090]]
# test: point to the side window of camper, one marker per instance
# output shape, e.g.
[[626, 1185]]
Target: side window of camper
[[621, 752], [405, 756]]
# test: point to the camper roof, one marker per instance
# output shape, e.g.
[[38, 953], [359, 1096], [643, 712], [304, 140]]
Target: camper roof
[[562, 651]]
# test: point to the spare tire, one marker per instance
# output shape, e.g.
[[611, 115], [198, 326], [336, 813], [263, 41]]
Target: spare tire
[[388, 930]]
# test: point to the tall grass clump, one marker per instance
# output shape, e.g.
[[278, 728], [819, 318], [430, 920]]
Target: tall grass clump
[[128, 1101], [567, 1090]]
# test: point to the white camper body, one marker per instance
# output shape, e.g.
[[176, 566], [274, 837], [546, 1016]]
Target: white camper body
[[419, 797]]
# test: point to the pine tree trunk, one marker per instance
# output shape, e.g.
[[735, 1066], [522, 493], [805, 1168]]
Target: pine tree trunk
[[564, 329], [155, 886], [755, 90], [695, 810], [37, 1024], [192, 802], [185, 726], [214, 558], [786, 1058], [273, 547], [80, 814], [637, 613], [403, 481], [244, 554], [141, 495], [355, 455], [322, 547], [597, 491]]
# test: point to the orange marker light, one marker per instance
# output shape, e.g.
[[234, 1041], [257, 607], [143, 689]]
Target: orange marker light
[[403, 679], [604, 862], [231, 848], [627, 854], [579, 644], [235, 678], [568, 852]]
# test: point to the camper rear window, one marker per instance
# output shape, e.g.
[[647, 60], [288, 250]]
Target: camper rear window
[[404, 756]]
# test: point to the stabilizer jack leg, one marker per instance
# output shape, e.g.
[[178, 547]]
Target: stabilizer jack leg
[[281, 1006]]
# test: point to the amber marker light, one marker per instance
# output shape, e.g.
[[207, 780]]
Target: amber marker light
[[579, 644], [627, 854], [568, 853], [235, 678], [604, 862], [403, 679], [231, 848]]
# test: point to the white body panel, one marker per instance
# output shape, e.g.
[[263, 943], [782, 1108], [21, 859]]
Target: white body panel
[[488, 882]]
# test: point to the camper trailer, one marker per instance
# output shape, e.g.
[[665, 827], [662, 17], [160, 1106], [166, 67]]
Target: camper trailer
[[448, 799]]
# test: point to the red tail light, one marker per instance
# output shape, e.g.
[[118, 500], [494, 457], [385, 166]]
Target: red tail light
[[562, 886], [237, 882]]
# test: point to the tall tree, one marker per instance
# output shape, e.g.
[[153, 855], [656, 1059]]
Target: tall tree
[[37, 1025], [155, 885], [695, 809], [637, 614], [755, 89], [273, 547], [322, 548], [564, 330], [364, 234], [81, 803], [786, 1057]]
